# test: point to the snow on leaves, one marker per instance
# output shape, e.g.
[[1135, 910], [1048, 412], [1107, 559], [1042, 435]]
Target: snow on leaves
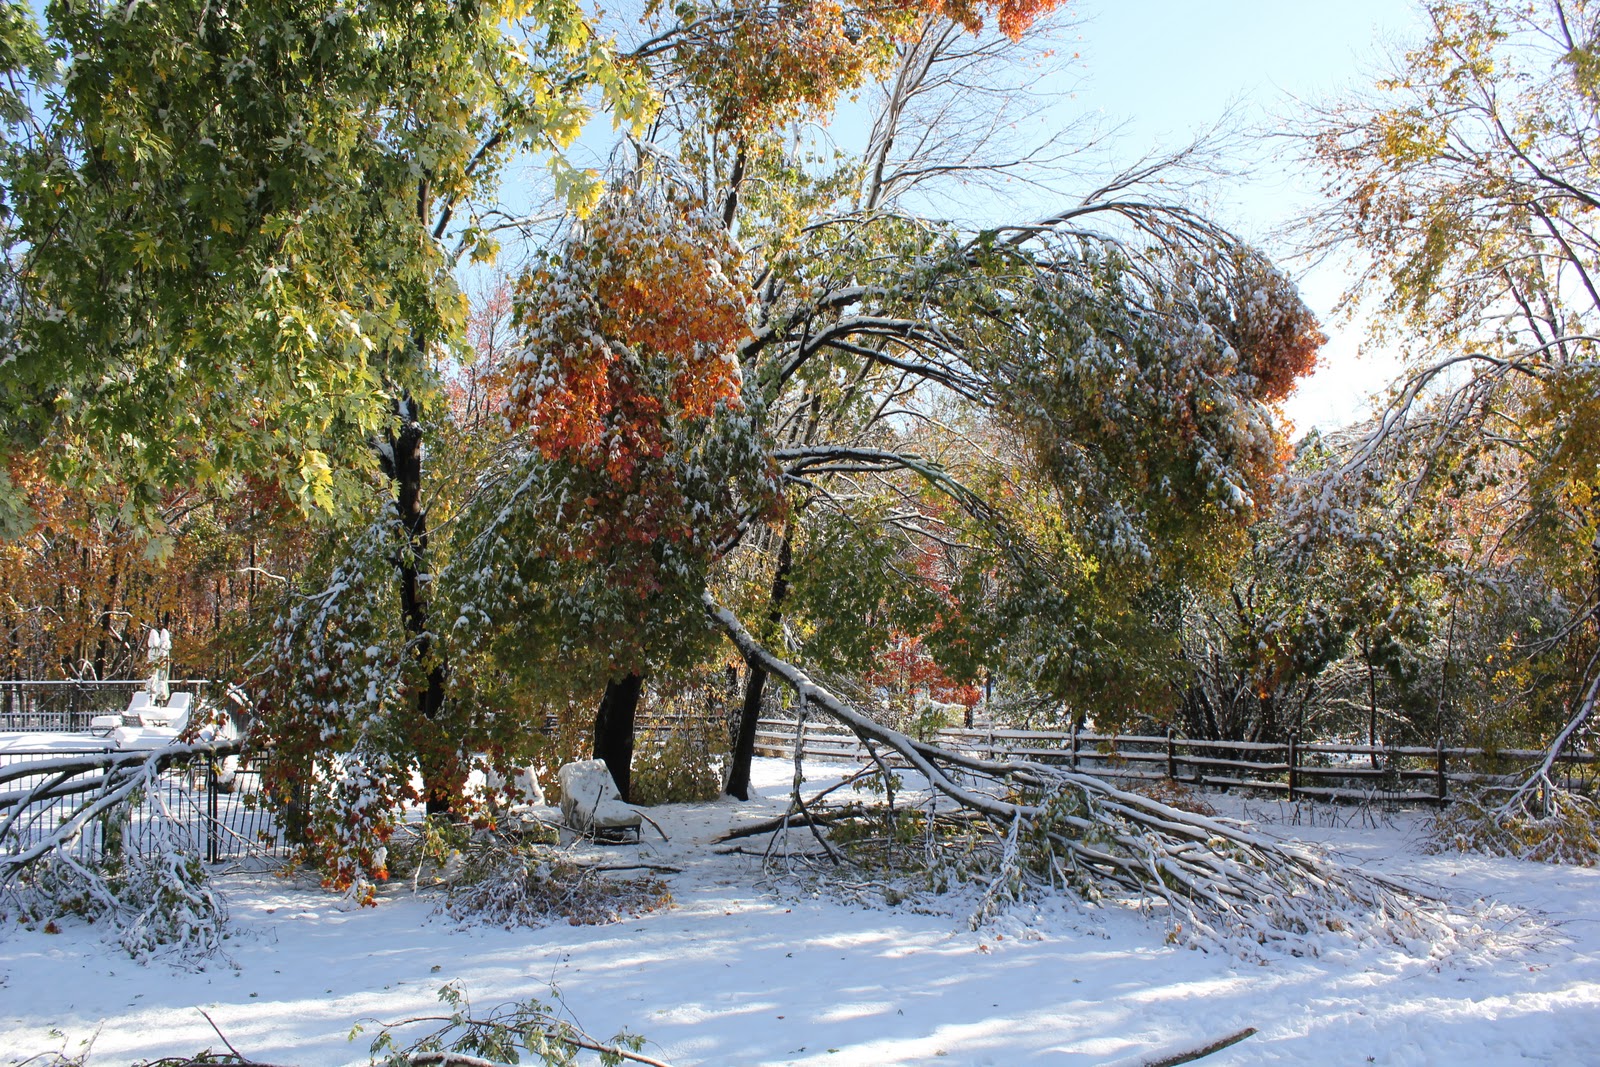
[[333, 707], [640, 458], [633, 323]]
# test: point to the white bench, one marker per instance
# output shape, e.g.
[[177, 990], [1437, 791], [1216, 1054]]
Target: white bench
[[138, 704]]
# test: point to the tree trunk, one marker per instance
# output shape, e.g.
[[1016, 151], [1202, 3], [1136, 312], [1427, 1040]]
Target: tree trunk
[[1372, 703], [106, 616], [613, 729], [404, 466], [744, 745]]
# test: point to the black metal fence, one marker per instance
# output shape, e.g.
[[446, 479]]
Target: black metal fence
[[34, 707], [209, 799]]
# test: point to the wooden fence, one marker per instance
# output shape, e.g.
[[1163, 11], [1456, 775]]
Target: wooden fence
[[1436, 774]]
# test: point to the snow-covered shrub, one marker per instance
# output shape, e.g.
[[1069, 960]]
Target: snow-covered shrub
[[338, 710], [145, 885], [1557, 826]]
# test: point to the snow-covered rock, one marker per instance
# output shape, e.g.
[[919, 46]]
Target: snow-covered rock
[[590, 803]]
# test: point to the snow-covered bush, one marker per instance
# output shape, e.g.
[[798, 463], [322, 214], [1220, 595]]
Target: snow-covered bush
[[682, 769], [335, 712]]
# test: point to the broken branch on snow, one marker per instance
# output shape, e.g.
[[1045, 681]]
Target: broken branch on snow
[[1218, 879]]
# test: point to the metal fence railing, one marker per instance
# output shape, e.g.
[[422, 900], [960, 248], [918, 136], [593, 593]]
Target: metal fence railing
[[34, 707], [209, 799]]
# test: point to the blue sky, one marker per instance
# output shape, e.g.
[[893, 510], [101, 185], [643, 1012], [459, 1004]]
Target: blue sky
[[1170, 67], [1165, 69]]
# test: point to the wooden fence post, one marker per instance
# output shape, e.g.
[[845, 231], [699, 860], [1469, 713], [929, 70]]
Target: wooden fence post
[[1172, 757], [1074, 737], [1439, 770], [1294, 762]]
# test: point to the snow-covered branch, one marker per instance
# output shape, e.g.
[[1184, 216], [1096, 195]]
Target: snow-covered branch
[[1221, 883], [139, 874]]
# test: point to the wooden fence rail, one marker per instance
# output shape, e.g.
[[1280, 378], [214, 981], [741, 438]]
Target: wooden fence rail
[[1436, 774]]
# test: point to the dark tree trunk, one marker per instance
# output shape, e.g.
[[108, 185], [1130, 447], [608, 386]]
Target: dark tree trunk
[[613, 729], [744, 745], [106, 616], [404, 467], [1372, 703]]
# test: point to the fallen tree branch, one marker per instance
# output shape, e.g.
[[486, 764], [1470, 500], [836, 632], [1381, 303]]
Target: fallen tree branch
[[140, 874], [652, 822], [529, 1026], [790, 818], [457, 1059], [1173, 1059], [1220, 881], [1540, 779]]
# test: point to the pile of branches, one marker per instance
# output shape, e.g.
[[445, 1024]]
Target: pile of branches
[[525, 1031], [502, 880], [1220, 882], [1545, 825], [1539, 819], [138, 874]]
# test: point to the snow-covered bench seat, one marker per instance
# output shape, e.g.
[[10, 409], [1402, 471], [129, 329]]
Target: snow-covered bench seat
[[175, 716], [139, 705]]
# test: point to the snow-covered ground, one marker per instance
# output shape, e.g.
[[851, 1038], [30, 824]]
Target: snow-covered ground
[[740, 972]]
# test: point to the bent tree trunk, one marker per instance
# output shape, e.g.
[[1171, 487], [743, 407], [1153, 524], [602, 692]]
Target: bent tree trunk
[[1221, 882], [436, 758], [744, 746], [613, 729]]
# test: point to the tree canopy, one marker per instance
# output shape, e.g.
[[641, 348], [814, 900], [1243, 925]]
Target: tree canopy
[[231, 229], [1467, 186]]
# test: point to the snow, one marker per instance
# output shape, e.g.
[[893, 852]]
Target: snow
[[747, 968]]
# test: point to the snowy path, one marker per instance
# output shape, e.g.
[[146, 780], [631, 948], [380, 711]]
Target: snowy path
[[733, 975]]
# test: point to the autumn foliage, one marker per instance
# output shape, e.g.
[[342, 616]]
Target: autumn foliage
[[764, 64], [628, 385], [1275, 335], [79, 592], [633, 323]]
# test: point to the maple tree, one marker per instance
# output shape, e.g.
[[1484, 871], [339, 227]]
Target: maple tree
[[1129, 370], [757, 66], [636, 461]]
